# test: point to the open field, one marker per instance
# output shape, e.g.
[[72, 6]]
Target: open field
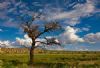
[[52, 59]]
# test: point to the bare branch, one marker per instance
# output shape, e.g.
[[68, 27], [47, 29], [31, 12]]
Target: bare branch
[[41, 42], [33, 29], [50, 27], [50, 41]]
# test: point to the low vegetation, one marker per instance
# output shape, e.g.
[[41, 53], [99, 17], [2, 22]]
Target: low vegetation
[[52, 59]]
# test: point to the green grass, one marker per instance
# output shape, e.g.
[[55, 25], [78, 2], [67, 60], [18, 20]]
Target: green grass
[[51, 60]]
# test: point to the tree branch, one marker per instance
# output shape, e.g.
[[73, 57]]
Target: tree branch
[[40, 42], [46, 30], [49, 27]]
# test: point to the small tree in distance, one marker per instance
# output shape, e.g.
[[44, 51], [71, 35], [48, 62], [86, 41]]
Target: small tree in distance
[[33, 32]]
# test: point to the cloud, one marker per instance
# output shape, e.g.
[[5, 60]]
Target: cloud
[[12, 10], [37, 4], [8, 12], [1, 30], [73, 16], [81, 48], [26, 41], [92, 38], [72, 21], [9, 44], [4, 5], [10, 23], [18, 3], [5, 44], [69, 36], [20, 42], [85, 29]]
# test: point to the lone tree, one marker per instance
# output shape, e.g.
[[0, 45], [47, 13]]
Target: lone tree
[[32, 30]]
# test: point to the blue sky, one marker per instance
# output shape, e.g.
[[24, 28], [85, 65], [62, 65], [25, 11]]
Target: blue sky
[[80, 19]]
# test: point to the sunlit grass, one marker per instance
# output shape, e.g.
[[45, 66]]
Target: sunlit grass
[[90, 59]]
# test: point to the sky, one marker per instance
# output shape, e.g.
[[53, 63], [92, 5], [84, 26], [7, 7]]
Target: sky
[[79, 18]]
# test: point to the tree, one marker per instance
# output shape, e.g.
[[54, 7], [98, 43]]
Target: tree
[[33, 32]]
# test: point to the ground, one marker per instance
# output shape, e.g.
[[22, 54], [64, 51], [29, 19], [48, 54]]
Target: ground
[[52, 59]]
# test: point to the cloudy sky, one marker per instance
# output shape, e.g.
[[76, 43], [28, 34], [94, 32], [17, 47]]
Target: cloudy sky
[[79, 18]]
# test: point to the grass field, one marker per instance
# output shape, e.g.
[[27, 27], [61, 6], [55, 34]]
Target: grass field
[[52, 59]]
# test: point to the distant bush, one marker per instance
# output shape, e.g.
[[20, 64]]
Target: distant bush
[[8, 65]]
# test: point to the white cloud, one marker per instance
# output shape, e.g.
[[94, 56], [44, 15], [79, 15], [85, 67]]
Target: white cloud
[[6, 44], [4, 5], [26, 41], [85, 29], [92, 38], [72, 21], [10, 23], [18, 3], [18, 9], [9, 44], [72, 17], [37, 4], [70, 37], [1, 30], [12, 10]]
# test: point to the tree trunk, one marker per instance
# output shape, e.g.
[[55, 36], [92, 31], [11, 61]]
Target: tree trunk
[[32, 53]]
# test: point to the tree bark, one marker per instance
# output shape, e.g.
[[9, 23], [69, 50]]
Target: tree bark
[[32, 53]]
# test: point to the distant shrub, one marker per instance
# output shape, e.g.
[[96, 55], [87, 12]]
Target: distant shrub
[[8, 65], [15, 62]]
